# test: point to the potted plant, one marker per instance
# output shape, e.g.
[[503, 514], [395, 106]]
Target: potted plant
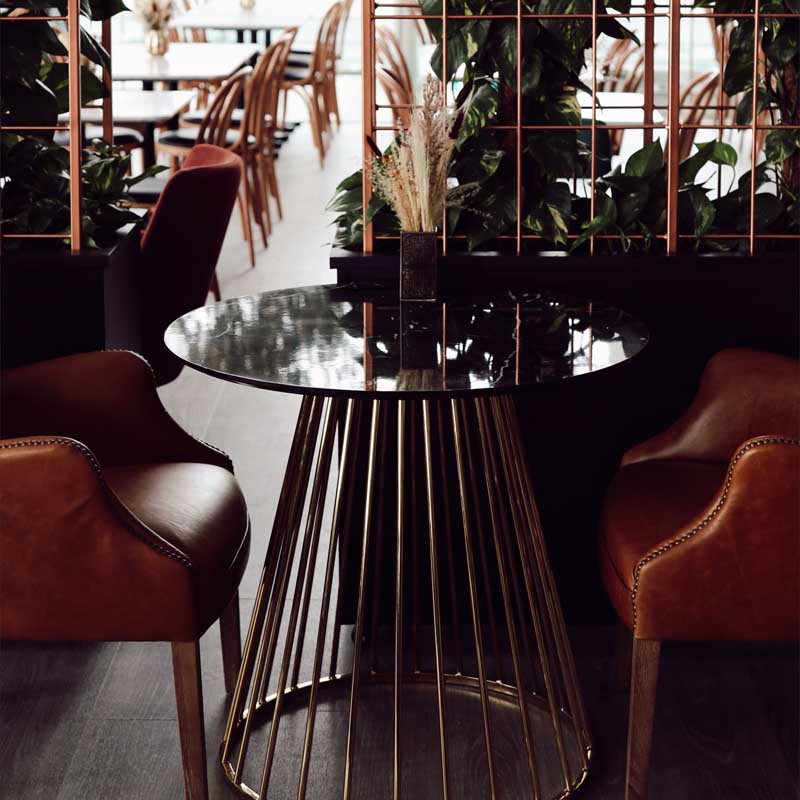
[[55, 301]]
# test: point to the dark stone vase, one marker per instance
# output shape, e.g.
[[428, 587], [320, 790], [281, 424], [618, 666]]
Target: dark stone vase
[[419, 268]]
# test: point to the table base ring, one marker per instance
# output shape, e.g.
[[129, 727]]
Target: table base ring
[[511, 677]]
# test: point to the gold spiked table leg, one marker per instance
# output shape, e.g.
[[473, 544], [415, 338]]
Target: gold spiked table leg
[[457, 643]]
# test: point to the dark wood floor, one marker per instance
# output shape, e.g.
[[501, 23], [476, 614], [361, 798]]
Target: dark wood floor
[[85, 722]]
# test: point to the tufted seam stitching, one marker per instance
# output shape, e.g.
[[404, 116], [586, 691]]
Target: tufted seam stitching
[[707, 519], [153, 541], [153, 376]]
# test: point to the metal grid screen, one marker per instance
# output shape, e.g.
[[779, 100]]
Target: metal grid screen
[[673, 12]]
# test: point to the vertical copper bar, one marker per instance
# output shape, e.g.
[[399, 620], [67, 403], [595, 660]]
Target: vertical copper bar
[[723, 44], [517, 331], [754, 126], [448, 532], [484, 561], [415, 599], [288, 531], [519, 126], [289, 488], [496, 498], [379, 534], [315, 522], [593, 165], [539, 549], [398, 600], [464, 491], [534, 589], [359, 633], [673, 124], [348, 519], [108, 102], [445, 82], [649, 88], [75, 149], [367, 110], [348, 444], [437, 621], [305, 564]]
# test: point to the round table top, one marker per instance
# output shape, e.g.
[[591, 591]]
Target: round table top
[[359, 339]]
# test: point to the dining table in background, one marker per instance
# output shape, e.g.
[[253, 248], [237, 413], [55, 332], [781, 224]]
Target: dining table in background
[[184, 61], [228, 15], [433, 512], [145, 111]]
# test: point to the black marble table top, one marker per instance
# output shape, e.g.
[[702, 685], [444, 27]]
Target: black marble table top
[[359, 339]]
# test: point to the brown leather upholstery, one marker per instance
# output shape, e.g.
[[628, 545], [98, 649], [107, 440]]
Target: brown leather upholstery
[[700, 533], [115, 524]]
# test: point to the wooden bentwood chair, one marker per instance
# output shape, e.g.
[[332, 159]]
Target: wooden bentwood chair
[[700, 534], [116, 525]]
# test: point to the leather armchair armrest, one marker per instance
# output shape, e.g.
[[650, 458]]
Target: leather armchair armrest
[[743, 393], [75, 563], [734, 571], [106, 400]]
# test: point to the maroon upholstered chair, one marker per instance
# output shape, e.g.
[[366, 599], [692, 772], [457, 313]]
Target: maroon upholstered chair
[[181, 245]]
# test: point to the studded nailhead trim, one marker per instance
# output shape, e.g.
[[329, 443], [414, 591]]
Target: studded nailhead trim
[[708, 518], [151, 540]]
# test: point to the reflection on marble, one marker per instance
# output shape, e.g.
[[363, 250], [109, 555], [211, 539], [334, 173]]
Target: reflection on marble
[[359, 338]]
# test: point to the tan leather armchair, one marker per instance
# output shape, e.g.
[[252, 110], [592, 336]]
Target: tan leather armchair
[[700, 533], [116, 525]]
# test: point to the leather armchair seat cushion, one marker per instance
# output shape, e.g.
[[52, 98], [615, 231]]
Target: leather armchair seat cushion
[[647, 503], [199, 510]]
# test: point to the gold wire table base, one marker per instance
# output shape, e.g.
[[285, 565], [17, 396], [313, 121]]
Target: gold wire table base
[[435, 498]]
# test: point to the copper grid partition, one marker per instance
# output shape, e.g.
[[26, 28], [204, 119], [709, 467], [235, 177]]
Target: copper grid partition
[[375, 11], [72, 19]]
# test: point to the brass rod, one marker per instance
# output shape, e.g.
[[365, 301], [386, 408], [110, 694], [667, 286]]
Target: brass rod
[[649, 69], [593, 129], [445, 80], [495, 495], [346, 535], [376, 579], [107, 101], [674, 126], [359, 632], [437, 621], [288, 531], [533, 591], [458, 436], [415, 599], [307, 558], [448, 530], [75, 149], [519, 124], [481, 538], [539, 548], [754, 127], [316, 521], [349, 443], [398, 601], [367, 113]]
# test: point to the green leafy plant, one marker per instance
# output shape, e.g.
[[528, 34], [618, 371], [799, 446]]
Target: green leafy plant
[[34, 170], [481, 58]]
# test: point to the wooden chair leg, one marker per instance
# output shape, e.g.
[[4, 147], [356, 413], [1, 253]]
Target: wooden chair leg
[[273, 184], [231, 638], [622, 656], [214, 287], [644, 681], [189, 701], [245, 209]]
